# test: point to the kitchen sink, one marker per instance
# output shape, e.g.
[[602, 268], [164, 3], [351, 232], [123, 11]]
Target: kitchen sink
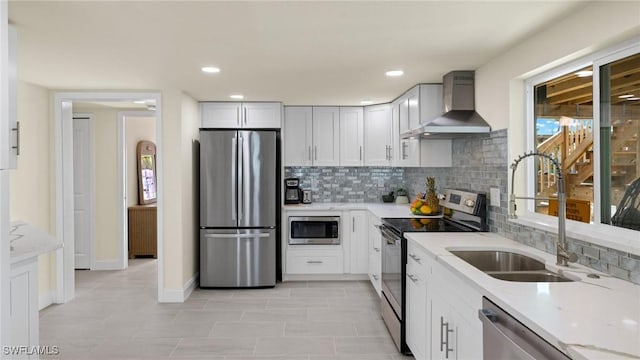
[[491, 260], [509, 266], [529, 276]]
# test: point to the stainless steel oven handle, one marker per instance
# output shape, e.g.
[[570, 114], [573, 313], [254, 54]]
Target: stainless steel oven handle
[[389, 236], [490, 324]]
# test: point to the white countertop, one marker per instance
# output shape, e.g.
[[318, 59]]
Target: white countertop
[[588, 319], [29, 241], [381, 210]]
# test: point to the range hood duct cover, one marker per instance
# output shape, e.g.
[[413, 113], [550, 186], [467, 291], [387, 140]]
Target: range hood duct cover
[[459, 118]]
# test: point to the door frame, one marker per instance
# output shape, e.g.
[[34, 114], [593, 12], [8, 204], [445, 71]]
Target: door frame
[[63, 129], [122, 181], [92, 198]]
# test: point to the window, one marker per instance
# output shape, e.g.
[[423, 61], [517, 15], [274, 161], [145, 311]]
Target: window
[[563, 116], [620, 142]]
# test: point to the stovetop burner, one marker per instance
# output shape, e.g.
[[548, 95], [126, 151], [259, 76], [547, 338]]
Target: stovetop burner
[[402, 225]]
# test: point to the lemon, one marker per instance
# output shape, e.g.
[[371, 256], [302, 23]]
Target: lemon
[[425, 209]]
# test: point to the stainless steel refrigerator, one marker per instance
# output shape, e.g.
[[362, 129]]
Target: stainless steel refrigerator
[[238, 206]]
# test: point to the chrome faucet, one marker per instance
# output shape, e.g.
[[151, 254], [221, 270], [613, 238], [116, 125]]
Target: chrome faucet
[[563, 256]]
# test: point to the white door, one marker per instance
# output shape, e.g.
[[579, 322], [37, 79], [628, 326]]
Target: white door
[[262, 115], [220, 114], [326, 136], [351, 136], [297, 136], [82, 191], [378, 135]]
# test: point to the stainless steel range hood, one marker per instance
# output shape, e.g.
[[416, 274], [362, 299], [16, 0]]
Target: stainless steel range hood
[[459, 118]]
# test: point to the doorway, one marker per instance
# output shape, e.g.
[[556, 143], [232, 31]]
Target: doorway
[[65, 207], [83, 190]]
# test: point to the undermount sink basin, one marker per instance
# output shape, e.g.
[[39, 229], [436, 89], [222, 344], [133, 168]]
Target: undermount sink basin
[[491, 260], [508, 266], [530, 276]]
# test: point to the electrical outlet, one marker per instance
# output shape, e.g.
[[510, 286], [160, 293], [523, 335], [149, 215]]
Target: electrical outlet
[[495, 197]]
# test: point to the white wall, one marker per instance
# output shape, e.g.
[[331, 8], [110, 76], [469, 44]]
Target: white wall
[[190, 124], [31, 194], [137, 128]]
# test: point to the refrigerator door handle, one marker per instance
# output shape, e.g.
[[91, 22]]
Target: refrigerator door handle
[[234, 157], [241, 178], [238, 236]]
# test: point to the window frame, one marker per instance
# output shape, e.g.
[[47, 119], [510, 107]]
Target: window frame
[[597, 233]]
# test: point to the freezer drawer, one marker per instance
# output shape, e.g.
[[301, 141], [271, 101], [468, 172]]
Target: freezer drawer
[[237, 258]]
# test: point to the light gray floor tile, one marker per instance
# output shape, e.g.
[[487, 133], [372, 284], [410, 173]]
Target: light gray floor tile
[[174, 330], [341, 315], [262, 293], [365, 345], [235, 304], [371, 327], [275, 315], [314, 328], [199, 317], [213, 346], [297, 303], [295, 346], [135, 348], [251, 329], [356, 357], [318, 292], [277, 357]]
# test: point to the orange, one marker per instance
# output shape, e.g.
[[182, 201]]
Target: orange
[[425, 221], [425, 209]]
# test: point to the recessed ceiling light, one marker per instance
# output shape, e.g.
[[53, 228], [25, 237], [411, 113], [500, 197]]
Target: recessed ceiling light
[[210, 69], [139, 102], [366, 102], [237, 96], [626, 96], [634, 98], [584, 73], [394, 73]]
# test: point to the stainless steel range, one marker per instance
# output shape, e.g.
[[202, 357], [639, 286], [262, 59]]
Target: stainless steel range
[[464, 211]]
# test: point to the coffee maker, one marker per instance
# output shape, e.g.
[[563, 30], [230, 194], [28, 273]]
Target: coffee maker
[[292, 191]]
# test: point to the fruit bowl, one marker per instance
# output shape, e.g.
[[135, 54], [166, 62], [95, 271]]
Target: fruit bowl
[[419, 207]]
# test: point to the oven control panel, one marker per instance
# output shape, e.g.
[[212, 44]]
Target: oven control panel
[[467, 202]]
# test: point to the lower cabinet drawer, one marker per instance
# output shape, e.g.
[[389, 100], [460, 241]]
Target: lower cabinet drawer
[[314, 264]]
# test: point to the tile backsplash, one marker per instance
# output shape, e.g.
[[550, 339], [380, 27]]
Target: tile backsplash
[[479, 163]]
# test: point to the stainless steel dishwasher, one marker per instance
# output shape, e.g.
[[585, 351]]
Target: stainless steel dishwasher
[[504, 337]]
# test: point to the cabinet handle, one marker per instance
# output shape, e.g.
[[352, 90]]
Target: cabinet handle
[[376, 249], [309, 152], [360, 152], [17, 130], [245, 116], [386, 152], [414, 257], [441, 334], [404, 150], [238, 116], [390, 152], [314, 261], [412, 277], [353, 224], [444, 337], [315, 151]]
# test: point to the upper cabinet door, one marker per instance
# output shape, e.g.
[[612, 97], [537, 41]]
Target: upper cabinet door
[[378, 134], [9, 126], [297, 135], [326, 136], [413, 107], [221, 115], [403, 113], [262, 115], [351, 136], [430, 102]]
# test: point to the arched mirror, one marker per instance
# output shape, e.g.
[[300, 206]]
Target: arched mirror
[[146, 154]]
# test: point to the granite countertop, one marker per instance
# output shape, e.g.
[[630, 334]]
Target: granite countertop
[[587, 319], [28, 242]]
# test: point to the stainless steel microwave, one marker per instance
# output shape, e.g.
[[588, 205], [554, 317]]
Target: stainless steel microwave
[[314, 230]]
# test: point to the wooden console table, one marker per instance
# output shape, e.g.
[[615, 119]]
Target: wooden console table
[[143, 231]]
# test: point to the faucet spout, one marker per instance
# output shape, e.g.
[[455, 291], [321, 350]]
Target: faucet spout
[[563, 256]]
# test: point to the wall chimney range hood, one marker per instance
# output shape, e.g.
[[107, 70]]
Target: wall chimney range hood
[[459, 118]]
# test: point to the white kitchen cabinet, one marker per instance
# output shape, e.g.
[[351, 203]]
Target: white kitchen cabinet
[[351, 136], [456, 331], [326, 136], [358, 239], [417, 314], [314, 260], [407, 151], [23, 293], [378, 135], [375, 253], [10, 136], [237, 115], [298, 135]]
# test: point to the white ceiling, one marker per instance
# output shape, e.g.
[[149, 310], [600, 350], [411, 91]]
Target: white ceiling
[[304, 52]]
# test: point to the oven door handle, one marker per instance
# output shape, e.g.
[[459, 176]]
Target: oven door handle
[[490, 324], [389, 236]]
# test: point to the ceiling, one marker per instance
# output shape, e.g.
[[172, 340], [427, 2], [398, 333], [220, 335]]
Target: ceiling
[[303, 52]]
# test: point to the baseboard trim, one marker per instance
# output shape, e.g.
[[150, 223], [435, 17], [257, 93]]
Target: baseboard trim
[[179, 295], [106, 265], [324, 277], [45, 298]]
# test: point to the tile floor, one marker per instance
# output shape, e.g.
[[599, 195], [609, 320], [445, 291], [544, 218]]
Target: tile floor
[[115, 316]]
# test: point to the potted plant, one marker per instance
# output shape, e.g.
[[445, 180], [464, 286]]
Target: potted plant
[[401, 196]]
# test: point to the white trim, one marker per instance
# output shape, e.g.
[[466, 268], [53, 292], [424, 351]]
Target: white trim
[[46, 298], [122, 182], [180, 295], [324, 277], [101, 265], [92, 194], [65, 287]]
